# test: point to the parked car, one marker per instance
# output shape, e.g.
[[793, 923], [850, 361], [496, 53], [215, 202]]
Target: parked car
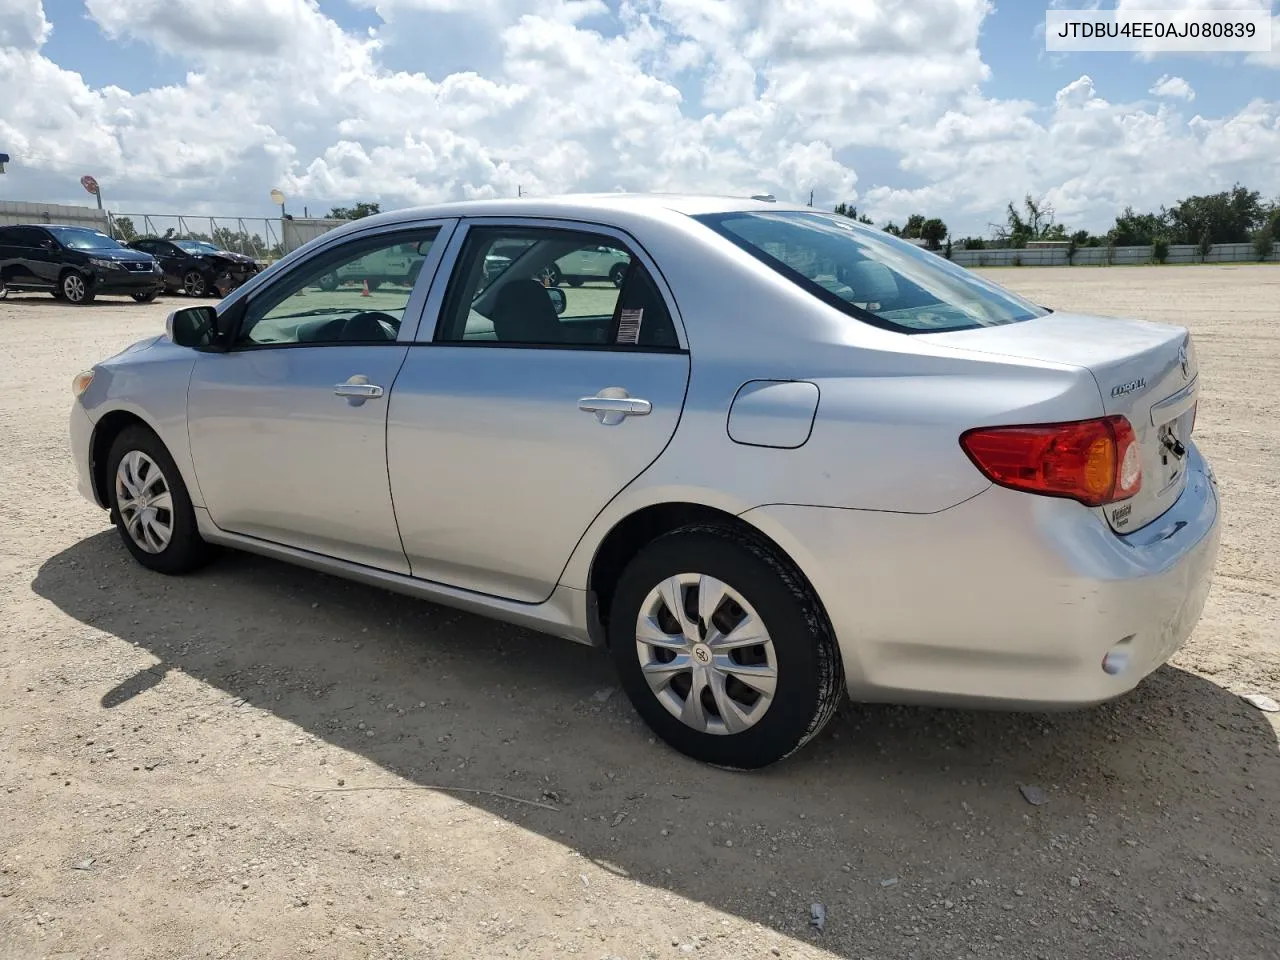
[[576, 268], [790, 456], [196, 267], [74, 264], [398, 265]]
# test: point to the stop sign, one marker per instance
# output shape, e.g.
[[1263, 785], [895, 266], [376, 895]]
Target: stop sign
[[90, 184]]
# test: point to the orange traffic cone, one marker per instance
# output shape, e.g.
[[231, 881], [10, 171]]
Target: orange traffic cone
[[365, 292]]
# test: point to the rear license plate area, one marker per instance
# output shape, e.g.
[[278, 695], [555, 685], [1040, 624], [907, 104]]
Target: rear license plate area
[[1173, 437]]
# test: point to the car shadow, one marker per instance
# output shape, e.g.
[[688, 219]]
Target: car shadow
[[895, 819], [28, 299]]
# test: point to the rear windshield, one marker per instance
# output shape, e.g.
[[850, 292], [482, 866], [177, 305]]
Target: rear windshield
[[870, 274]]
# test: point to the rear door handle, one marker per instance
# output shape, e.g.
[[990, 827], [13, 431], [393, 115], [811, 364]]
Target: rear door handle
[[613, 410]]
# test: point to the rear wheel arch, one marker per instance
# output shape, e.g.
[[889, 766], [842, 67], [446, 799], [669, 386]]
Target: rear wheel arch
[[637, 530]]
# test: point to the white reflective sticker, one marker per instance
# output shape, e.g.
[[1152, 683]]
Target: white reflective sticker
[[629, 326]]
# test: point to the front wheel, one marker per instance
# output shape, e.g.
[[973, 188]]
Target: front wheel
[[74, 288], [150, 505], [723, 648]]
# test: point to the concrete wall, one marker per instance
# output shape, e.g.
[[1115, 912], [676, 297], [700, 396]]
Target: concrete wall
[[1097, 256], [14, 211]]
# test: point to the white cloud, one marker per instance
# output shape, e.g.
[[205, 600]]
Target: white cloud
[[737, 96], [23, 24], [1175, 87]]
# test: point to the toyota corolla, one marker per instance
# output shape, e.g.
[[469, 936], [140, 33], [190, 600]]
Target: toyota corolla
[[787, 456]]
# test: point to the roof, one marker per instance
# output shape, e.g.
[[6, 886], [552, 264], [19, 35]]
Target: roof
[[584, 204]]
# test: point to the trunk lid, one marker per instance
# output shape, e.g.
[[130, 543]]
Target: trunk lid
[[1145, 371]]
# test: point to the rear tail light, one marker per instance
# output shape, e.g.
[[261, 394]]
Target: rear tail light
[[1093, 461]]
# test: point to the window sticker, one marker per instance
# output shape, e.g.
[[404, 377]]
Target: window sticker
[[629, 326]]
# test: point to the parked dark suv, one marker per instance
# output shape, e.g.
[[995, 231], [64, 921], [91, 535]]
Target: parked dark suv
[[74, 264]]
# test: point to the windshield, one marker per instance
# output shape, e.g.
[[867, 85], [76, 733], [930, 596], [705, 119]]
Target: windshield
[[871, 274], [82, 238], [196, 246]]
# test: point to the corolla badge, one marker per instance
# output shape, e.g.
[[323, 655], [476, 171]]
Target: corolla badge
[[1120, 389]]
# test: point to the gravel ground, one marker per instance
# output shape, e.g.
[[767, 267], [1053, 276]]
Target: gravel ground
[[250, 762]]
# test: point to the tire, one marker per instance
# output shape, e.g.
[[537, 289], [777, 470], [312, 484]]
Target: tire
[[4, 291], [184, 550], [808, 678], [146, 297], [74, 288], [328, 283], [576, 281], [194, 283], [550, 275], [617, 274]]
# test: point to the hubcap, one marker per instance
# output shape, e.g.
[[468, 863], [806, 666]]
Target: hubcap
[[73, 287], [144, 500], [706, 654]]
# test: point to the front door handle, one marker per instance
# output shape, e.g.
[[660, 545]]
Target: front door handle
[[612, 406], [358, 389]]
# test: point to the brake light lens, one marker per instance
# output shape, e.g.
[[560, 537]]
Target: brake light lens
[[1093, 461]]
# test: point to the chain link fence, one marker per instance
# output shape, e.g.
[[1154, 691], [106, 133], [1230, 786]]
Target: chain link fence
[[257, 237]]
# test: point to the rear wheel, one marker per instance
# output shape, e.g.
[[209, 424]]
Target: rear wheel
[[194, 283], [74, 288], [150, 505], [723, 648], [617, 274], [328, 282]]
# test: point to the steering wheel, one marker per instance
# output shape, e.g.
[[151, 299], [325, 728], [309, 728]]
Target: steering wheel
[[359, 326]]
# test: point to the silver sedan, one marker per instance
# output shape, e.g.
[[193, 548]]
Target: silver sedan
[[782, 457]]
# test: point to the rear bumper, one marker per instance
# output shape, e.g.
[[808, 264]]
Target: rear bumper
[[1007, 599]]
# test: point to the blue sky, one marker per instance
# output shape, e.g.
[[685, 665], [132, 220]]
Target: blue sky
[[949, 107]]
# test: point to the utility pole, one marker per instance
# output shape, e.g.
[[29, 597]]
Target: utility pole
[[811, 198], [519, 191]]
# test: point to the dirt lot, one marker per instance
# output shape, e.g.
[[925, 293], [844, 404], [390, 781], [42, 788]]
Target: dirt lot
[[246, 763]]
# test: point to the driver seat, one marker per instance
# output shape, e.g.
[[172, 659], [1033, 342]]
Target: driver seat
[[523, 313]]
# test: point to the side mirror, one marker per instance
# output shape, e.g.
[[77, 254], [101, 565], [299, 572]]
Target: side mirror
[[558, 299], [194, 327]]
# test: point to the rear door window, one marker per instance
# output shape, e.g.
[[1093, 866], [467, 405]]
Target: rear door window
[[531, 286]]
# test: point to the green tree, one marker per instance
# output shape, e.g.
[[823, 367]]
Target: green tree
[[1034, 222], [914, 226], [933, 231], [355, 212], [1263, 243], [847, 210], [124, 229], [1139, 229], [1227, 217], [893, 228]]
